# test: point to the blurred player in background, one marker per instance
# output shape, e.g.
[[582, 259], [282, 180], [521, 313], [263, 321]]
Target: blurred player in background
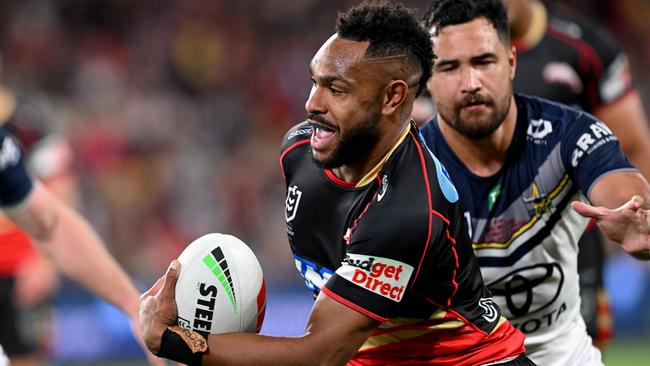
[[519, 162], [59, 231], [27, 277], [568, 59], [365, 199]]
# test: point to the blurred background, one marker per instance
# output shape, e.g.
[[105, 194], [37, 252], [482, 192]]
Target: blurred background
[[174, 110]]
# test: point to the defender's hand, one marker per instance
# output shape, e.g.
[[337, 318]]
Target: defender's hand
[[628, 225]]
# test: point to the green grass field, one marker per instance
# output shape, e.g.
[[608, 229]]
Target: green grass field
[[628, 353]]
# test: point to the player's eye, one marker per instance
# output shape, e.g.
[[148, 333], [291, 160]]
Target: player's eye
[[485, 62], [446, 67]]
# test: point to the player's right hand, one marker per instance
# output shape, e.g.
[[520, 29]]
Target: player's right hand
[[158, 308]]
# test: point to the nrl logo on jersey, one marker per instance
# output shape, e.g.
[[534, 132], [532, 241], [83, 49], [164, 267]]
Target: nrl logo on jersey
[[292, 202], [539, 128]]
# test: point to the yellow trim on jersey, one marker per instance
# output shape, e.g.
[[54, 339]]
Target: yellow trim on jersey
[[373, 172], [556, 191], [538, 25], [406, 334], [501, 321]]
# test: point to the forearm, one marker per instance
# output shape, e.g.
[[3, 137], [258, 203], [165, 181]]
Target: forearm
[[81, 255], [75, 248], [259, 350]]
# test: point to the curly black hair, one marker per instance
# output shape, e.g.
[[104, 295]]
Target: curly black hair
[[442, 13], [391, 29]]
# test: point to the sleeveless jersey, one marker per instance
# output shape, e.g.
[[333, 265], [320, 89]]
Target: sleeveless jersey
[[524, 230], [395, 248]]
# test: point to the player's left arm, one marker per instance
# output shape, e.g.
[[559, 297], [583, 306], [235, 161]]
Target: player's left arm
[[621, 207], [334, 334], [627, 119]]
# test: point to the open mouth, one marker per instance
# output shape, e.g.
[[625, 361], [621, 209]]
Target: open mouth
[[323, 135], [322, 127]]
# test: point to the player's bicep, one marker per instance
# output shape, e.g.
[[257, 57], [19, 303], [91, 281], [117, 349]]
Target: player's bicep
[[340, 329], [627, 120]]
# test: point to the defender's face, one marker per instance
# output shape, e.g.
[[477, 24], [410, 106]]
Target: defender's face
[[343, 105], [471, 84]]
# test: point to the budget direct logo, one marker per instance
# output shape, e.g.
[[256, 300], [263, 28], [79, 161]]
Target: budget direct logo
[[383, 276]]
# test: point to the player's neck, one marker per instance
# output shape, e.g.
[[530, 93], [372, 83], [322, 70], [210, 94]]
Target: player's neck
[[365, 170], [529, 27], [483, 157]]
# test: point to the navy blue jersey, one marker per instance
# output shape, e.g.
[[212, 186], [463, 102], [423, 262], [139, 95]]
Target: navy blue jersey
[[576, 62], [395, 248], [523, 229], [15, 183]]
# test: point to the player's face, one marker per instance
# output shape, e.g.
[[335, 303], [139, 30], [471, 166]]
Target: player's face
[[471, 84], [344, 104]]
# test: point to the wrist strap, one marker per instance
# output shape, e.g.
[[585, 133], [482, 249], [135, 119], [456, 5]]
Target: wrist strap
[[182, 345]]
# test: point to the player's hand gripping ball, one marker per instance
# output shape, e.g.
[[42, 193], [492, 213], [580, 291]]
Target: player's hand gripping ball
[[220, 288]]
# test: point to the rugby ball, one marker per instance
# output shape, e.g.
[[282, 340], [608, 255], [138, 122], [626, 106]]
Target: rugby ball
[[220, 288]]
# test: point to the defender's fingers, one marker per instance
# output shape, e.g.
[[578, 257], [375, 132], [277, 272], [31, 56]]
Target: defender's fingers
[[585, 209]]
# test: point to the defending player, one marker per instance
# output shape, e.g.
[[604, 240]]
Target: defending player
[[519, 163], [565, 58], [27, 277], [374, 224], [61, 233]]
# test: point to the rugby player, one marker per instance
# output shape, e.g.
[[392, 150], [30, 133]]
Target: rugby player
[[374, 225], [524, 168]]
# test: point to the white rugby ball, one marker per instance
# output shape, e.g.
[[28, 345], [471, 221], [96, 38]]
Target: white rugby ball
[[220, 288]]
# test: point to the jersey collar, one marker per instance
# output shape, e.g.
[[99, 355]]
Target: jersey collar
[[374, 171]]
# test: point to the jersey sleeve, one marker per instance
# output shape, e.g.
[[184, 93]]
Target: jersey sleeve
[[15, 182], [590, 150]]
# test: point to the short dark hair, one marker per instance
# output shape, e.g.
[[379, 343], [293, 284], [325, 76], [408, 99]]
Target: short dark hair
[[391, 29], [442, 13]]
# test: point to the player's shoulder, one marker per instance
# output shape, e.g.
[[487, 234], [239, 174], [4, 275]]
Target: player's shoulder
[[555, 122], [556, 113], [296, 135]]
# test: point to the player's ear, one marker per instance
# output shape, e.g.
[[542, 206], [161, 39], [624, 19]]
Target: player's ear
[[512, 60], [394, 95]]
